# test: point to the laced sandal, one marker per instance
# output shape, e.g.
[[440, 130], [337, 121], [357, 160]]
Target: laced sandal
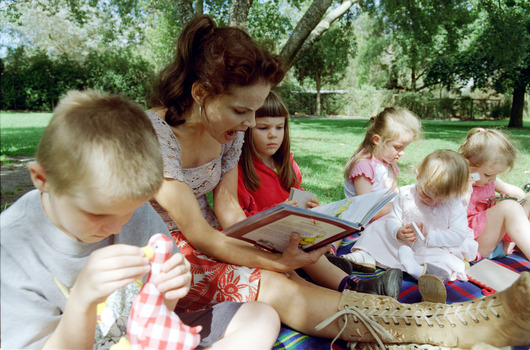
[[502, 319]]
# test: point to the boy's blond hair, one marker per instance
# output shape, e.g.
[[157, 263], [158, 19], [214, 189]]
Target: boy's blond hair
[[488, 147], [101, 142], [390, 124], [444, 174]]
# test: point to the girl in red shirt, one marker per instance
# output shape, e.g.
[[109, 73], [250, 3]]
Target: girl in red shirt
[[267, 169]]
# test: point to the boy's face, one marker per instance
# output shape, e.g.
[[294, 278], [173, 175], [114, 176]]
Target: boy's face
[[89, 216]]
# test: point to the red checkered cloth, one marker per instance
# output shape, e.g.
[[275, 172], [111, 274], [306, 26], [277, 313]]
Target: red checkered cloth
[[151, 324]]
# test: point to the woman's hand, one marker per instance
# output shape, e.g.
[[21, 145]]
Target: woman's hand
[[294, 257]]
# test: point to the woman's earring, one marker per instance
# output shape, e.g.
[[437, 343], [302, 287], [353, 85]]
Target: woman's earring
[[200, 111]]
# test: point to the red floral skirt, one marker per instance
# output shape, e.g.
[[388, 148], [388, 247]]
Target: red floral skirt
[[214, 281]]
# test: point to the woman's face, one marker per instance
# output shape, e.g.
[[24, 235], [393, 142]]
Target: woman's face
[[225, 115]]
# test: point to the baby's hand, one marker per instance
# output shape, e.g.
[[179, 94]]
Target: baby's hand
[[405, 233], [175, 277], [312, 203], [107, 270]]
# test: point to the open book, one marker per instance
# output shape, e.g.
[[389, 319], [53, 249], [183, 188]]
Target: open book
[[272, 228]]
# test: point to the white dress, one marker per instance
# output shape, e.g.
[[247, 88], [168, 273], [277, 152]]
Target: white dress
[[448, 239]]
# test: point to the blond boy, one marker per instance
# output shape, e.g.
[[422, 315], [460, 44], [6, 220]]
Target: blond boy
[[70, 248]]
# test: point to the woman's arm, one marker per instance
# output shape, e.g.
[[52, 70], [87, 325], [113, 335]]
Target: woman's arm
[[225, 201], [180, 203]]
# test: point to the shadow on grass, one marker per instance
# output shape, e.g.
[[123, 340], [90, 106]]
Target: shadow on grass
[[20, 141]]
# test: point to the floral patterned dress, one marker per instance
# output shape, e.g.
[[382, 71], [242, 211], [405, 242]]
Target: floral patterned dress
[[213, 281]]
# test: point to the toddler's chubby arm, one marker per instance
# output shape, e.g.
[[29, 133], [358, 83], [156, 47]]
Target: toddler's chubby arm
[[106, 270], [508, 189], [174, 281]]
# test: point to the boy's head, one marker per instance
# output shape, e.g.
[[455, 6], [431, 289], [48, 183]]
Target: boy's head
[[99, 156], [443, 174]]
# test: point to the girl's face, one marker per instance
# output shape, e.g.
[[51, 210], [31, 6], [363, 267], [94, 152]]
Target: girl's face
[[225, 115], [487, 173], [267, 136], [427, 197], [390, 151]]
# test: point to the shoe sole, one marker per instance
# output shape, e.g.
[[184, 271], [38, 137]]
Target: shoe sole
[[432, 289], [368, 268]]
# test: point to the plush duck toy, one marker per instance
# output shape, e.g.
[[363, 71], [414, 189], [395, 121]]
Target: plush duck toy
[[151, 324]]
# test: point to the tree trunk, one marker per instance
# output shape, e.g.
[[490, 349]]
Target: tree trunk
[[302, 30], [318, 82], [185, 7], [239, 13], [516, 113], [320, 29]]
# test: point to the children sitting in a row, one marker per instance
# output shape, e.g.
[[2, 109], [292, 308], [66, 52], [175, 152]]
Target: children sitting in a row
[[437, 203]]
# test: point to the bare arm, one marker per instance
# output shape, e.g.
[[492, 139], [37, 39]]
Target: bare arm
[[225, 201], [508, 189], [178, 199], [362, 186]]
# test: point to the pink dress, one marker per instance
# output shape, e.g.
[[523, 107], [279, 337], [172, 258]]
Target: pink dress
[[213, 281], [380, 174], [449, 241]]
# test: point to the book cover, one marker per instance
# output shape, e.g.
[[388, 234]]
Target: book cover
[[302, 197], [492, 275], [272, 228]]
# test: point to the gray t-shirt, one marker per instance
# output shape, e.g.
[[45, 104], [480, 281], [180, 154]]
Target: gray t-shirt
[[34, 252]]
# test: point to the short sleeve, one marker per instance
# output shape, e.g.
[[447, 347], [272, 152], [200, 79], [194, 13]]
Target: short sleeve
[[363, 167], [171, 151], [231, 153]]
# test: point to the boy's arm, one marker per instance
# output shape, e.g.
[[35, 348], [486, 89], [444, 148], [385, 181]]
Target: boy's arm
[[107, 270]]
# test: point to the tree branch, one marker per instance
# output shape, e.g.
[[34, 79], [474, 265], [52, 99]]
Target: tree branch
[[239, 13]]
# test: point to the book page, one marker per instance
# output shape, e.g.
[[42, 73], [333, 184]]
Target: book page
[[278, 233], [492, 274]]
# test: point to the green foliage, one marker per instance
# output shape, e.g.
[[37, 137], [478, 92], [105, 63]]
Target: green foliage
[[36, 82]]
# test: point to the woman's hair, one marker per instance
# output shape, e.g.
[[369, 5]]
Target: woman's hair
[[444, 174], [218, 59], [390, 124], [272, 107], [102, 143], [487, 147]]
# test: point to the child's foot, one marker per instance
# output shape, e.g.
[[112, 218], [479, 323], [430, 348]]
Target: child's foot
[[432, 289], [361, 261], [406, 258], [508, 247], [388, 284], [343, 264]]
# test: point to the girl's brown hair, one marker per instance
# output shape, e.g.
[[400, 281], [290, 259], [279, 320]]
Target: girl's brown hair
[[389, 124], [272, 107], [217, 58]]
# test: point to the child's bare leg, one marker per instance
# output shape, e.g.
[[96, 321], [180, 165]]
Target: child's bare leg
[[255, 325], [325, 274], [505, 217]]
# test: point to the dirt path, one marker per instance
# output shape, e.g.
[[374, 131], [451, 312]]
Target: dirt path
[[14, 179]]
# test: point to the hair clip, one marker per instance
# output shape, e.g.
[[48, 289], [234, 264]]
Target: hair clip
[[370, 121]]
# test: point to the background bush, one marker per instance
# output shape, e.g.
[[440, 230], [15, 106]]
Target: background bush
[[33, 81]]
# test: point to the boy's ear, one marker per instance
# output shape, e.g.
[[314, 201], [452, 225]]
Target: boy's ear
[[39, 177]]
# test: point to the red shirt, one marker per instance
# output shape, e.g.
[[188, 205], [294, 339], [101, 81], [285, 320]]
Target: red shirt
[[270, 192]]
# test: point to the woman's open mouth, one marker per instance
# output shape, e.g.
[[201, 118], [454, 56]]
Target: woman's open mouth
[[230, 135]]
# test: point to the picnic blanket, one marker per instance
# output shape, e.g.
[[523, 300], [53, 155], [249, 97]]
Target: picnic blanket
[[457, 291]]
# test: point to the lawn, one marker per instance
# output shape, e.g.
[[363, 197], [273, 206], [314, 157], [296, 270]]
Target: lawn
[[321, 147]]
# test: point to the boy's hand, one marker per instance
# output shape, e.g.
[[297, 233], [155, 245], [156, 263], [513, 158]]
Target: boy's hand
[[174, 280], [106, 270], [405, 233], [294, 257]]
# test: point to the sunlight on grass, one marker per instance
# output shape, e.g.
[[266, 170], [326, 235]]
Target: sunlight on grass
[[21, 132]]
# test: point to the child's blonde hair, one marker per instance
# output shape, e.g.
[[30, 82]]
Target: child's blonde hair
[[272, 107], [101, 142], [390, 124], [487, 147], [444, 174]]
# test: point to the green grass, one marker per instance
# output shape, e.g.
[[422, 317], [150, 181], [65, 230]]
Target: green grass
[[20, 133], [321, 147]]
